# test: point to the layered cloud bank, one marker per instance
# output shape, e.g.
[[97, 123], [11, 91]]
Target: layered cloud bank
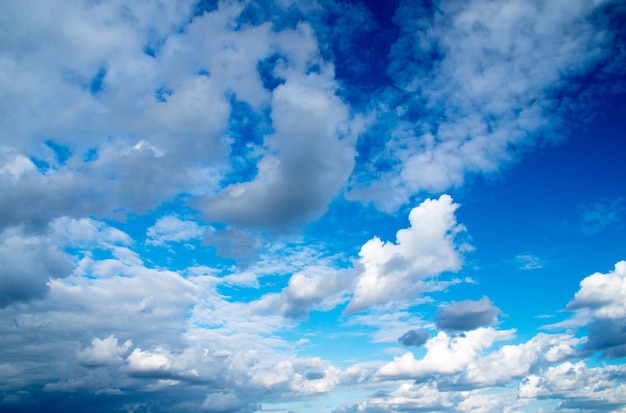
[[243, 206]]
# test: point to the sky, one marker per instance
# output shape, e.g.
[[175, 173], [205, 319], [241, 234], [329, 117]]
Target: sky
[[312, 206]]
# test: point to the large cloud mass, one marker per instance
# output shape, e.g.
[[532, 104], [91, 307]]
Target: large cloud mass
[[201, 205]]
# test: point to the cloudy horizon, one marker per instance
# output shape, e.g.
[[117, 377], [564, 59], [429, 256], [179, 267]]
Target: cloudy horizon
[[312, 206]]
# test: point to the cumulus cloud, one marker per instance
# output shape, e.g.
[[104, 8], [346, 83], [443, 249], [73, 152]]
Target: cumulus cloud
[[579, 386], [150, 363], [397, 271], [103, 352], [514, 361], [143, 108], [319, 288], [446, 354], [467, 315], [603, 296]]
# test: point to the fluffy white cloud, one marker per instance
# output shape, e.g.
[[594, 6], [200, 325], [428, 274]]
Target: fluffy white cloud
[[603, 294], [148, 362], [602, 300], [398, 271], [515, 361], [86, 232], [579, 386], [103, 351], [446, 354], [319, 288]]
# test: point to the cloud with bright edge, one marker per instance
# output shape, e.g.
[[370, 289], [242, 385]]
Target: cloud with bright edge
[[398, 271]]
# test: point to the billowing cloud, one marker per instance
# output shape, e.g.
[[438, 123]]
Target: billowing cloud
[[398, 271], [446, 354], [579, 386], [318, 288], [603, 296], [178, 229], [467, 315], [103, 351]]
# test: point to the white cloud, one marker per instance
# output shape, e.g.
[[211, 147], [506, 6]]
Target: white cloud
[[86, 232], [514, 361], [103, 351], [603, 294], [398, 271], [601, 303], [579, 386], [493, 88], [446, 354], [172, 229], [149, 362], [316, 287]]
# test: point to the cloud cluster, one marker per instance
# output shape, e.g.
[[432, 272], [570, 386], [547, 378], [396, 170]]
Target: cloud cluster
[[144, 107], [159, 158], [480, 82]]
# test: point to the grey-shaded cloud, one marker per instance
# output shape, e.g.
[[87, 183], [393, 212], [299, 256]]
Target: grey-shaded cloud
[[415, 338], [28, 264], [467, 315]]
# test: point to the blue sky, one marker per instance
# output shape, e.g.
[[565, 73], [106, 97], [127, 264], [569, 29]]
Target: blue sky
[[298, 206]]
